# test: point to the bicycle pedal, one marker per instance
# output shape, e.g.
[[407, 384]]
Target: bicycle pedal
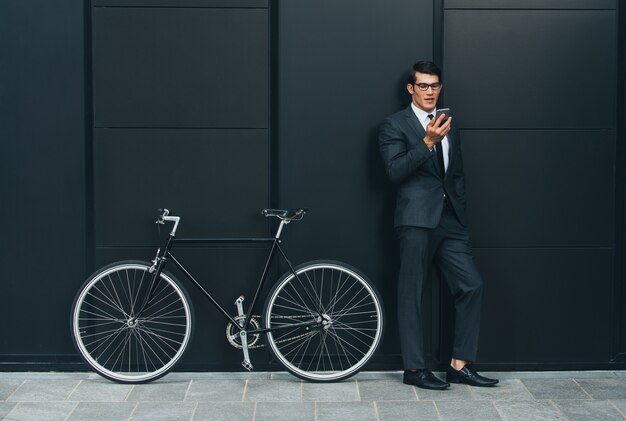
[[247, 365]]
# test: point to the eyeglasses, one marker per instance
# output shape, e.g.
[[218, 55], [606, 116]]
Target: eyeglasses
[[425, 86]]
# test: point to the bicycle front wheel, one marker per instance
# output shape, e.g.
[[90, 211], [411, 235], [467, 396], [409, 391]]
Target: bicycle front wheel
[[328, 321], [119, 340]]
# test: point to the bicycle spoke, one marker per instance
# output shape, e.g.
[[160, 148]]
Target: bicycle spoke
[[136, 295], [161, 339], [103, 316], [317, 300], [122, 346], [349, 343], [346, 307], [110, 303], [346, 352], [302, 301]]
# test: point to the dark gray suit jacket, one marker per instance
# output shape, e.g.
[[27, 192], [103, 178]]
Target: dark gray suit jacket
[[415, 171]]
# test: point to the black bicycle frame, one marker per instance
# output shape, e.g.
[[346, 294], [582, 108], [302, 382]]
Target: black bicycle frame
[[163, 257]]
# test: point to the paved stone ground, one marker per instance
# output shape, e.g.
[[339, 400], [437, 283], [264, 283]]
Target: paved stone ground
[[523, 396]]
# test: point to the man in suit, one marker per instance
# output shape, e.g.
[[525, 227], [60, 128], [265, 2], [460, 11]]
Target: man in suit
[[422, 156]]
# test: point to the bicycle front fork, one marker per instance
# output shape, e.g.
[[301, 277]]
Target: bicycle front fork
[[243, 334]]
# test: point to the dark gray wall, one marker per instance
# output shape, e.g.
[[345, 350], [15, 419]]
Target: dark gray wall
[[42, 177], [536, 168], [181, 120], [619, 328], [218, 108], [341, 71], [534, 92]]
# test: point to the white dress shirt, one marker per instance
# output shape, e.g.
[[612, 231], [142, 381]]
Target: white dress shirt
[[422, 116]]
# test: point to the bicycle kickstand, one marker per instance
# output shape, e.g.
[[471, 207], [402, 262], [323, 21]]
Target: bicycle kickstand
[[243, 335]]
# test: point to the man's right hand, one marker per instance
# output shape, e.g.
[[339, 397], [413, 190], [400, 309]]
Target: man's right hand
[[434, 133]]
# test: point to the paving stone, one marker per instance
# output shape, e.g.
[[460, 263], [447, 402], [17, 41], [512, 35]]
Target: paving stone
[[280, 375], [620, 404], [221, 375], [40, 411], [345, 411], [216, 390], [330, 392], [157, 392], [272, 390], [378, 375], [102, 411], [505, 390], [87, 396], [555, 389], [528, 410], [166, 411], [548, 374], [589, 410], [468, 410], [100, 391], [285, 411], [8, 386], [44, 390], [406, 410], [381, 390], [224, 411], [24, 375], [454, 393], [5, 408], [611, 388]]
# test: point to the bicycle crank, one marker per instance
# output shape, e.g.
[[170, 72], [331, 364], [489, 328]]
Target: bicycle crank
[[232, 332]]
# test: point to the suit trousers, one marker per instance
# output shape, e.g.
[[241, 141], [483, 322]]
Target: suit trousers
[[448, 248]]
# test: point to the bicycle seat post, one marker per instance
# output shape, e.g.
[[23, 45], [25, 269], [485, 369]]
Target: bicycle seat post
[[283, 222]]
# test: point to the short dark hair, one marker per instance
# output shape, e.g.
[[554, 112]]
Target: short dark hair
[[423, 66]]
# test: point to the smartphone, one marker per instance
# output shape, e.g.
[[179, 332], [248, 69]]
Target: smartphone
[[445, 111]]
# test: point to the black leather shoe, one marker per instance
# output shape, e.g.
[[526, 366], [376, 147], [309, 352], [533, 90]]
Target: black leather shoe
[[469, 376], [424, 379]]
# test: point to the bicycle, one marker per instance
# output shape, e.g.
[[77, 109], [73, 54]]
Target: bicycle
[[132, 320]]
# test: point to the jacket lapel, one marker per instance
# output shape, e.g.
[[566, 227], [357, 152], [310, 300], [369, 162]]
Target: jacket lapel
[[414, 122]]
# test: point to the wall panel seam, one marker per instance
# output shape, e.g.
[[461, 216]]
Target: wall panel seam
[[564, 129], [181, 7], [599, 248], [518, 9], [179, 128]]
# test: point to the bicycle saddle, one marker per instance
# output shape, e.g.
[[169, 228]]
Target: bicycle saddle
[[285, 213]]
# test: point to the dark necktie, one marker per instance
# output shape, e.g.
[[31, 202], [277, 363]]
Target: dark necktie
[[439, 150]]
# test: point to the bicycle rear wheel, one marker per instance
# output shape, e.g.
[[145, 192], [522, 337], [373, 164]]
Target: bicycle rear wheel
[[120, 344], [348, 314]]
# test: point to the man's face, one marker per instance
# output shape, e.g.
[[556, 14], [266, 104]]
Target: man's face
[[426, 100]]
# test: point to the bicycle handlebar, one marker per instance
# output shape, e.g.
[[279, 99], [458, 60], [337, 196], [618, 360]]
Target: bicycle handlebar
[[163, 216]]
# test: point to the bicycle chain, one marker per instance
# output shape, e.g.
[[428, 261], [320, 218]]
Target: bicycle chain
[[283, 340]]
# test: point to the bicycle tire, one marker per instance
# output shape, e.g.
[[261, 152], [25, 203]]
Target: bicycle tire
[[110, 342], [351, 307]]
